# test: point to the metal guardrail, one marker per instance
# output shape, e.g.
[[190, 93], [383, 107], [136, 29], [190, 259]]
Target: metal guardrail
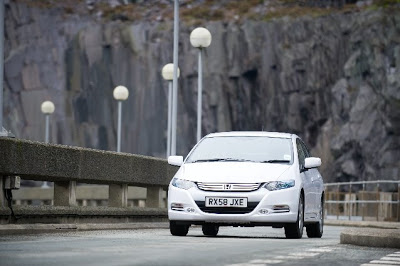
[[363, 200]]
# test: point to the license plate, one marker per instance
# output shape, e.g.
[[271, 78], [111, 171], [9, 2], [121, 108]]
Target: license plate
[[226, 202]]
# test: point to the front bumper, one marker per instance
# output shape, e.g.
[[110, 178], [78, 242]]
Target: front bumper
[[265, 210]]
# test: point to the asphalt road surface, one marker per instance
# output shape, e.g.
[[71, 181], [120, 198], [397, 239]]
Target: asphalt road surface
[[233, 246]]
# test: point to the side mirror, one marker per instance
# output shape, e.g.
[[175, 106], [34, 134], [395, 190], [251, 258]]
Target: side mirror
[[175, 160], [312, 162]]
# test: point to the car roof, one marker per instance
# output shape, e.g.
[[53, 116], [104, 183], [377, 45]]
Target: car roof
[[251, 134]]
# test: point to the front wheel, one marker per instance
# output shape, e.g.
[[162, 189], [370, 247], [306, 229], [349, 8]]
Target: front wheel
[[316, 230], [178, 229], [296, 230], [210, 229]]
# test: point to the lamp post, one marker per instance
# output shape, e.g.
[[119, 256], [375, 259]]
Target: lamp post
[[167, 73], [120, 93], [47, 109], [175, 79], [3, 132], [200, 38]]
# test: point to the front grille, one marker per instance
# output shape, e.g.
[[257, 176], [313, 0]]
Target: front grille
[[228, 186], [227, 210]]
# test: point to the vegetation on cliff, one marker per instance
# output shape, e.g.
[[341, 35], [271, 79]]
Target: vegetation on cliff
[[200, 11]]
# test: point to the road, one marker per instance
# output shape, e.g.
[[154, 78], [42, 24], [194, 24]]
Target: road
[[233, 246]]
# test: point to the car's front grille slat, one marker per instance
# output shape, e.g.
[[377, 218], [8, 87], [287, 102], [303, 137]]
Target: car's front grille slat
[[228, 186]]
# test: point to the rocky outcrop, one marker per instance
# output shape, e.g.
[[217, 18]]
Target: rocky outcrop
[[334, 80]]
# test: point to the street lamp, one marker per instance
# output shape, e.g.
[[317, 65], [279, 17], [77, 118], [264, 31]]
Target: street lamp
[[167, 73], [200, 38], [120, 93], [47, 108], [175, 79], [3, 132]]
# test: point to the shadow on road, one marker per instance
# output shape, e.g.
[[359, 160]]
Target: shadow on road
[[240, 237]]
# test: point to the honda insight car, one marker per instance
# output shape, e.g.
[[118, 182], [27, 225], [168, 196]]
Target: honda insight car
[[247, 179]]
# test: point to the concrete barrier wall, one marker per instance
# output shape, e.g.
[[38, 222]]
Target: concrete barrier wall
[[66, 166], [49, 162]]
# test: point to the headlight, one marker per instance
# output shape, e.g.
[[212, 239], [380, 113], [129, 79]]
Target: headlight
[[277, 185], [184, 184]]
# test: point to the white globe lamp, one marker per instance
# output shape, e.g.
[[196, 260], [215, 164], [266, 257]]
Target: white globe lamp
[[47, 107], [167, 72], [200, 38], [120, 93]]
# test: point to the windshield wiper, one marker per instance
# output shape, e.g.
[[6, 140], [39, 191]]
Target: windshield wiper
[[208, 160], [221, 160], [236, 160], [275, 161]]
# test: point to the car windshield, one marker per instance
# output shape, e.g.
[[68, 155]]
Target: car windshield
[[234, 148]]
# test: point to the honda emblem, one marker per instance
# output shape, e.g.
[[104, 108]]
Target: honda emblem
[[228, 186]]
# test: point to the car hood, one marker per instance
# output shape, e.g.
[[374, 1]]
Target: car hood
[[232, 172]]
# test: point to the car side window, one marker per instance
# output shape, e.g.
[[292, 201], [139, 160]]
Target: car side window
[[300, 154], [305, 149]]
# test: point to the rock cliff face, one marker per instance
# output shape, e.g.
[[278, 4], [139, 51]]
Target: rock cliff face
[[334, 80]]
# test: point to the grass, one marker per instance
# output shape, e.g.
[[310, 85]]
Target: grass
[[68, 6], [203, 13], [198, 12], [242, 7], [386, 3], [301, 11]]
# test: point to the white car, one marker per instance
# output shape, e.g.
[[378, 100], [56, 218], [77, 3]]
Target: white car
[[247, 179]]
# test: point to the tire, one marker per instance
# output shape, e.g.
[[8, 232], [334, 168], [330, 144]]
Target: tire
[[210, 229], [316, 230], [178, 229], [296, 230]]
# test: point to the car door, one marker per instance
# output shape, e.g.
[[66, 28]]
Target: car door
[[314, 177], [317, 182], [307, 184]]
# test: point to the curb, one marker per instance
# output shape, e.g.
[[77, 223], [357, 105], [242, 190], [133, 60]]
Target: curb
[[369, 233], [8, 229], [86, 215], [371, 237]]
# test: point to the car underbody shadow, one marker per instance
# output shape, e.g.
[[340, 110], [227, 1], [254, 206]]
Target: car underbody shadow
[[238, 237]]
